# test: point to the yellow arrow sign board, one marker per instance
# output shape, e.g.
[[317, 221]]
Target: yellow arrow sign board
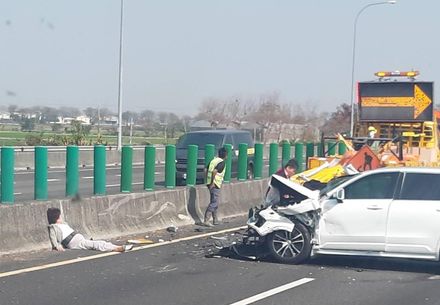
[[404, 101]]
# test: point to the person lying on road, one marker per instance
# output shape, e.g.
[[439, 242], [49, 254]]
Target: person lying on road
[[62, 236]]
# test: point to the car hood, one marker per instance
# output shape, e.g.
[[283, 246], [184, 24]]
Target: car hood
[[310, 198], [301, 190]]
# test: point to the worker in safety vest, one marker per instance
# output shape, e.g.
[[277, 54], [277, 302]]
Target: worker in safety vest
[[372, 132], [214, 179]]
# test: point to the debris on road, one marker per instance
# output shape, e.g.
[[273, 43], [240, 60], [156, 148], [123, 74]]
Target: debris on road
[[172, 229], [141, 241]]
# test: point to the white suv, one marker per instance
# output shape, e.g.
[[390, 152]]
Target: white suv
[[389, 212]]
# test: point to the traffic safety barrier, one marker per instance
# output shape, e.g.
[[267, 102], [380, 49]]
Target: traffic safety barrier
[[191, 167], [72, 163], [242, 161], [72, 172], [258, 161], [285, 153], [149, 167], [227, 177], [40, 173], [273, 158], [126, 169]]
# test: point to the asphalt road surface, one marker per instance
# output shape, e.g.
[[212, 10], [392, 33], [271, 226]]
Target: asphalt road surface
[[24, 181], [181, 272]]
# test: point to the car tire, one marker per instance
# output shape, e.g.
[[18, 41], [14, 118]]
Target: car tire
[[290, 247], [250, 172]]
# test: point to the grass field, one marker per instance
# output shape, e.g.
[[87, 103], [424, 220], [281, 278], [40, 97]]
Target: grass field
[[18, 138]]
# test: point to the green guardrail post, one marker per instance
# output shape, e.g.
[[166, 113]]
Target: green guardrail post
[[126, 169], [227, 177], [331, 148], [285, 153], [273, 158], [242, 161], [299, 156], [310, 152], [149, 167], [209, 154], [99, 161], [72, 171], [321, 149], [40, 173], [170, 166], [258, 161], [7, 175], [342, 148], [191, 167]]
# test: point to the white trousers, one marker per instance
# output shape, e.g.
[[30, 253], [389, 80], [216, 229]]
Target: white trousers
[[79, 242]]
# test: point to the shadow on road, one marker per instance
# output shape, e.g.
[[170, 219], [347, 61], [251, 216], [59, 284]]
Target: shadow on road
[[359, 263], [375, 263]]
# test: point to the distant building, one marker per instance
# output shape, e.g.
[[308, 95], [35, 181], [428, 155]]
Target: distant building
[[110, 120], [84, 120], [5, 115]]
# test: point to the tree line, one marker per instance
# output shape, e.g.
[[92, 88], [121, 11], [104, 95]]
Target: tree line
[[267, 111]]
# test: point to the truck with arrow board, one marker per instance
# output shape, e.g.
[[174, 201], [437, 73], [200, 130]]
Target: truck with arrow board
[[399, 105]]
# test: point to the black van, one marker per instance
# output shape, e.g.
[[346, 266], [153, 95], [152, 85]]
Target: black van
[[218, 138]]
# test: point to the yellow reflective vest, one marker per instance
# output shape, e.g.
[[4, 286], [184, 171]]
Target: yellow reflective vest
[[218, 179]]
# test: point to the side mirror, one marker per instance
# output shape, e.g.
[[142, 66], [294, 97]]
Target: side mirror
[[340, 195]]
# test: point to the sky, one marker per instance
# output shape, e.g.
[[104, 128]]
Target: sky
[[177, 53]]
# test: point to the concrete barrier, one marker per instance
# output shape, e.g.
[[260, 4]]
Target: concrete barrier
[[23, 227]]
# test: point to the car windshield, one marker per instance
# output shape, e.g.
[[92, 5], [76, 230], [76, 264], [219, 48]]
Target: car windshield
[[200, 139], [334, 183]]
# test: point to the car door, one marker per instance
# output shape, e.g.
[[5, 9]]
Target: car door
[[414, 218], [358, 222]]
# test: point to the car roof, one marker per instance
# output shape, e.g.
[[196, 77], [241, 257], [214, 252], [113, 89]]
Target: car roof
[[219, 131], [432, 170]]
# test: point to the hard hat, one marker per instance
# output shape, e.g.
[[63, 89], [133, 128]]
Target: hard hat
[[371, 128]]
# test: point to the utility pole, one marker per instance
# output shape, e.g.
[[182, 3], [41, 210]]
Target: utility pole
[[99, 122], [131, 129], [121, 32]]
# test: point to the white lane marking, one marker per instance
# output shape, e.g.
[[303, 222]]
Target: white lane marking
[[18, 193], [88, 177], [88, 258], [273, 291], [52, 180]]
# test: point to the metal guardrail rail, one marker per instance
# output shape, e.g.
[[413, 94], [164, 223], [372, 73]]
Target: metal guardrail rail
[[81, 148]]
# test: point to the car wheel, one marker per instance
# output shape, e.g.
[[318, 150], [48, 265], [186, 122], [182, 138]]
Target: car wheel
[[290, 247], [250, 172]]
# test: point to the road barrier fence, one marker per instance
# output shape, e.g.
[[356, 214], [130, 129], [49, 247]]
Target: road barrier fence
[[301, 151]]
